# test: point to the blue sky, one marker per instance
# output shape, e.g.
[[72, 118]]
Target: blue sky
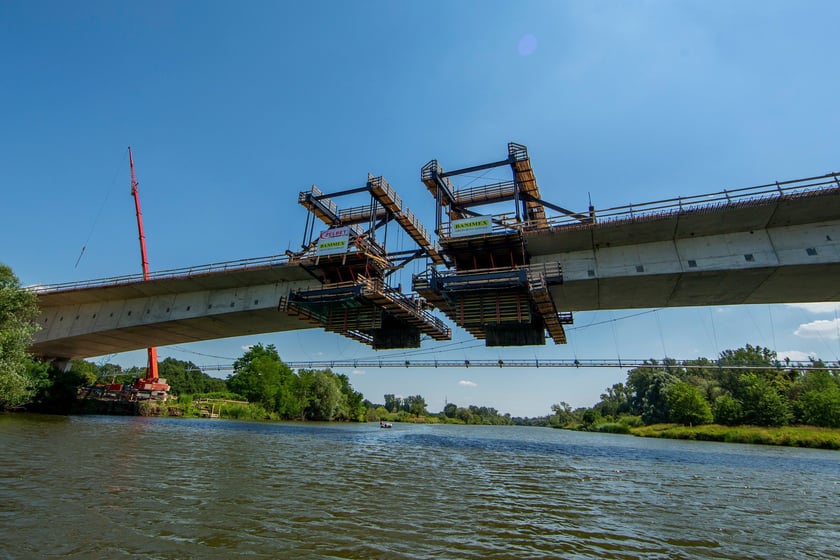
[[231, 109]]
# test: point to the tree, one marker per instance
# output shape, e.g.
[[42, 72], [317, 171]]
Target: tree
[[450, 409], [761, 402], [464, 415], [728, 411], [821, 408], [57, 391], [648, 386], [615, 401], [186, 378], [18, 310], [562, 414], [415, 404], [260, 376], [818, 401], [393, 403], [353, 406], [590, 417], [686, 404], [322, 393]]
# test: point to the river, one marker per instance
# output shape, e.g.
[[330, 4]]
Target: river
[[131, 487]]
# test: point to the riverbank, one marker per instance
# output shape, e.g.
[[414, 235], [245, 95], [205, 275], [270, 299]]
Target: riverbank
[[792, 436]]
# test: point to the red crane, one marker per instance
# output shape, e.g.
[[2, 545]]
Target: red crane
[[152, 366]]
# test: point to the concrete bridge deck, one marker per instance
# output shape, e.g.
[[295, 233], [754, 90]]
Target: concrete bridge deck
[[174, 307], [776, 249], [778, 243]]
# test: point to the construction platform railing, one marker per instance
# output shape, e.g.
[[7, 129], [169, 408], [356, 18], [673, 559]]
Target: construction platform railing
[[403, 306], [408, 304], [550, 273]]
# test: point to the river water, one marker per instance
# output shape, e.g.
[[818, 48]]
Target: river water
[[130, 487]]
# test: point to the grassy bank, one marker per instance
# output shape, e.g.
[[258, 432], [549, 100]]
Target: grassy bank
[[794, 436]]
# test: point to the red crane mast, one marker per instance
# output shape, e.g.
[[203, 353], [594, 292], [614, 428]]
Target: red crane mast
[[152, 367]]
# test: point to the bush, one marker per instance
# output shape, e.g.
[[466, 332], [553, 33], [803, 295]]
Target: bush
[[221, 395], [243, 412], [613, 428], [796, 436], [630, 420], [821, 408], [728, 411]]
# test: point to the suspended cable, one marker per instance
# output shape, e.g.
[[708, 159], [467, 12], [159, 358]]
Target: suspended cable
[[180, 349], [837, 324], [615, 339], [772, 328], [101, 208], [714, 332], [661, 336], [757, 327], [612, 320]]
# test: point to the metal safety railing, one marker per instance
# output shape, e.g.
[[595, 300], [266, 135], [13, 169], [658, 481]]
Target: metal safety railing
[[410, 304], [551, 272], [727, 198], [187, 272]]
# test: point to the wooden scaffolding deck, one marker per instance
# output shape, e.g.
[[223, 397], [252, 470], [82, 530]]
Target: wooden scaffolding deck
[[505, 307], [368, 311]]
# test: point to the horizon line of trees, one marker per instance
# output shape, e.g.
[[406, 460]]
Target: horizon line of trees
[[726, 391]]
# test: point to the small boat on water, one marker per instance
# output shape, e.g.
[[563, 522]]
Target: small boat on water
[[383, 424]]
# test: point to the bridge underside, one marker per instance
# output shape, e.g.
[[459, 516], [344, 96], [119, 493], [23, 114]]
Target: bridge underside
[[165, 333], [101, 320], [767, 251], [796, 284]]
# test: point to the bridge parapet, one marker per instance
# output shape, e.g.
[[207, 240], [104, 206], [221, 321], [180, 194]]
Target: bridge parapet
[[174, 273], [728, 199]]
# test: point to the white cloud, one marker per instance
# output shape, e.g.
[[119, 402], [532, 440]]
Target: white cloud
[[819, 329], [358, 372], [825, 307], [466, 383], [795, 355], [247, 347]]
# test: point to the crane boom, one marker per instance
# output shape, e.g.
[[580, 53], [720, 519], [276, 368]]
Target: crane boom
[[152, 367]]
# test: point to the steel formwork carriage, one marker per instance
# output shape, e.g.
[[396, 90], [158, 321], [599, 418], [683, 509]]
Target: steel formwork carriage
[[491, 290], [479, 272]]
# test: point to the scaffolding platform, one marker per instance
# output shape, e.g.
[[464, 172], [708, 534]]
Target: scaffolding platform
[[493, 291], [522, 189], [503, 306], [368, 311], [486, 283]]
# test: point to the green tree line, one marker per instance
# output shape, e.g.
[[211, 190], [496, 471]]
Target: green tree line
[[259, 377], [746, 386]]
